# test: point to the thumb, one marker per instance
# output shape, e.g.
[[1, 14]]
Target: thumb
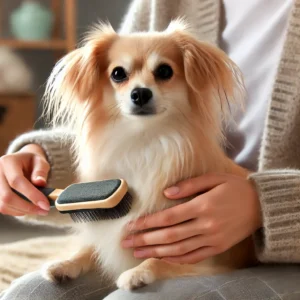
[[40, 170], [193, 186]]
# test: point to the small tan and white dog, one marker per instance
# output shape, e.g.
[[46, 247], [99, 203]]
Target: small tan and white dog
[[148, 107]]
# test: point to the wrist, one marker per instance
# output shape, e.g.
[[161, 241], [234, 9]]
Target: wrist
[[257, 207]]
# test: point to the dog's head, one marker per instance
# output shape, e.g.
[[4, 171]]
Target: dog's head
[[146, 78]]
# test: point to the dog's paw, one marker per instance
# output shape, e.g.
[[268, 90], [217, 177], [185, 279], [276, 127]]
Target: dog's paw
[[135, 278], [61, 271]]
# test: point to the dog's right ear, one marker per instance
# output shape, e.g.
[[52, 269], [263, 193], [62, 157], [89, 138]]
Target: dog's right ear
[[76, 75]]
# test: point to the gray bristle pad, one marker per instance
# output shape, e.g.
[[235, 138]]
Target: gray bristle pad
[[93, 215], [90, 191]]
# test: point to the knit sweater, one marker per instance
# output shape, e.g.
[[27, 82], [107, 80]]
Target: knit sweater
[[278, 178]]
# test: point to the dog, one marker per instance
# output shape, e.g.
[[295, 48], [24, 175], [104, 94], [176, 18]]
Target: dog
[[148, 107]]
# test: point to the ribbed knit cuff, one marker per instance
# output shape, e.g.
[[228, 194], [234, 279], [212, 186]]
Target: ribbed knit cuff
[[57, 146], [279, 194]]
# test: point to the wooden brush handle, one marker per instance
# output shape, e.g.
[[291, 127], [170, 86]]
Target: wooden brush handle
[[48, 192]]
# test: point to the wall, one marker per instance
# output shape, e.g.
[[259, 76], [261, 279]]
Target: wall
[[41, 62]]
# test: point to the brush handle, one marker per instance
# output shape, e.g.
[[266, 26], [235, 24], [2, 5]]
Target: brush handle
[[45, 191]]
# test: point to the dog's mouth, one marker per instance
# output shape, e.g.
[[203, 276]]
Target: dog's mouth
[[141, 111]]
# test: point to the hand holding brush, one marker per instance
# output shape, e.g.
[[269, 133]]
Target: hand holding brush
[[90, 201]]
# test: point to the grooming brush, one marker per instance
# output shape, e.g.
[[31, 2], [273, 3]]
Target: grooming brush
[[90, 201]]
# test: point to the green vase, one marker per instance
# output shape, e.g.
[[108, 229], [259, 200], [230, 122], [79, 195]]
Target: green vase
[[31, 21]]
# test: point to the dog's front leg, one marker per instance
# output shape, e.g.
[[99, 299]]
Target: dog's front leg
[[80, 263], [153, 269]]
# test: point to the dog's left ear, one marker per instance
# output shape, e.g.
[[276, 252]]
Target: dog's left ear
[[207, 68]]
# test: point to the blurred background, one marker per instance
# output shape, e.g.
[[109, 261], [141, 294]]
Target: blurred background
[[34, 34]]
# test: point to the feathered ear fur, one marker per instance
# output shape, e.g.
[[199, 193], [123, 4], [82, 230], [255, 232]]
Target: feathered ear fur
[[77, 75], [214, 80], [179, 25]]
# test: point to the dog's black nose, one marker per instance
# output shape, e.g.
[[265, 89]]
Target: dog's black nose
[[141, 96]]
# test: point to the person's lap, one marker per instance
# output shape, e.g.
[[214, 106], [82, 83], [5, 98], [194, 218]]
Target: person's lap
[[260, 283], [33, 287]]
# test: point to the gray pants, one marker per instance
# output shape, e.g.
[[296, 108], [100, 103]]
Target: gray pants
[[260, 283]]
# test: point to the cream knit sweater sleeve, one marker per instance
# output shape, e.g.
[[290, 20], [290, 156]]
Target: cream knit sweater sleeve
[[279, 195]]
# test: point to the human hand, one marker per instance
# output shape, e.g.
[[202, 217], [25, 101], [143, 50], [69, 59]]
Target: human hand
[[227, 212], [21, 171]]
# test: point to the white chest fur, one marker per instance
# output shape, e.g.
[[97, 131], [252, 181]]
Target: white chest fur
[[149, 162]]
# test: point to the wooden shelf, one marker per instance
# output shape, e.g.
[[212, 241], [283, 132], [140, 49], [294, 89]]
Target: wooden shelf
[[47, 44], [64, 12], [18, 116], [14, 95]]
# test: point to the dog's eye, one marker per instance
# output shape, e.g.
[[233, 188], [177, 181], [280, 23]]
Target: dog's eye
[[118, 74], [163, 72]]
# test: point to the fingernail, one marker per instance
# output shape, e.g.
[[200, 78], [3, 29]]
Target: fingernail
[[140, 253], [128, 243], [40, 178], [42, 212], [172, 190], [43, 205]]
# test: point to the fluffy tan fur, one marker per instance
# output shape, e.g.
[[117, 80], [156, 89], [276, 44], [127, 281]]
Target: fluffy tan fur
[[183, 139]]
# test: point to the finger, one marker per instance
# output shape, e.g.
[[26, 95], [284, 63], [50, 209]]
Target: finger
[[40, 171], [168, 217], [193, 257], [175, 249], [17, 181], [25, 208], [194, 186], [12, 212], [162, 236], [11, 204]]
